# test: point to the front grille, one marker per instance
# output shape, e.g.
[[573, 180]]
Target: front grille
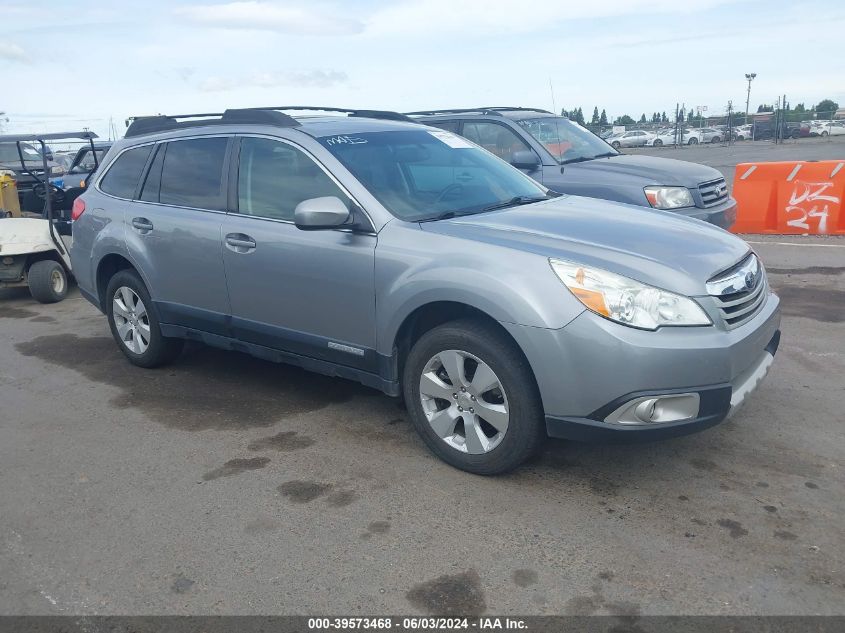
[[740, 292], [713, 192]]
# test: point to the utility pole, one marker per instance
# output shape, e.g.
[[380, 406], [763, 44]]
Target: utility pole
[[750, 77]]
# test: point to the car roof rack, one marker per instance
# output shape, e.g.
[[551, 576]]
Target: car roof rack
[[139, 126], [51, 136], [272, 115], [497, 110], [367, 114]]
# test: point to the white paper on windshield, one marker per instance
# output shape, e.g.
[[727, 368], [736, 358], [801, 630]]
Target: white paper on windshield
[[452, 140]]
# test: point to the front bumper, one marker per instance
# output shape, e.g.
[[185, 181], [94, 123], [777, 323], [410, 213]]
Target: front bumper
[[722, 215], [592, 367]]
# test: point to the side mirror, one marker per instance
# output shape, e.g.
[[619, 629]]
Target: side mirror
[[525, 159], [328, 212]]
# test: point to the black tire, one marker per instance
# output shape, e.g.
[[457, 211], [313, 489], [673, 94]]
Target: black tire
[[692, 141], [47, 281], [616, 145], [161, 350], [526, 426], [657, 142]]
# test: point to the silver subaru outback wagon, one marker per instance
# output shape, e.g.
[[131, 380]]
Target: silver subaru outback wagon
[[365, 246]]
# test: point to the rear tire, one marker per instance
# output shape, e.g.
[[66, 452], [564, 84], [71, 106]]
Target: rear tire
[[134, 322], [473, 443], [47, 281]]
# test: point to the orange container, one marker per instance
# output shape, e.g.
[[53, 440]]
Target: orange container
[[790, 197]]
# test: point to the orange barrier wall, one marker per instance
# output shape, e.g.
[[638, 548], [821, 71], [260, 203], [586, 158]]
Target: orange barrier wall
[[791, 197]]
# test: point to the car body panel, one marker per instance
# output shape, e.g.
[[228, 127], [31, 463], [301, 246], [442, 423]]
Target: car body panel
[[655, 247]]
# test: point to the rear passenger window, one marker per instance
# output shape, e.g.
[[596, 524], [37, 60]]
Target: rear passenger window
[[192, 173], [121, 179], [274, 177]]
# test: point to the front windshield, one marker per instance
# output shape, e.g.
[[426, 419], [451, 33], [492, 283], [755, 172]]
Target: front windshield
[[422, 174], [9, 153], [565, 140], [85, 161]]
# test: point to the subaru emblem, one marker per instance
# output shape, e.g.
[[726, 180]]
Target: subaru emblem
[[749, 280]]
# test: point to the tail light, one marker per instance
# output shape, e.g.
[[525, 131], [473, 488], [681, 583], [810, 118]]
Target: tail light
[[78, 209]]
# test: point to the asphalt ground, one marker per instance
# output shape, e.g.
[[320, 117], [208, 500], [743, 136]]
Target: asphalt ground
[[225, 484], [726, 157]]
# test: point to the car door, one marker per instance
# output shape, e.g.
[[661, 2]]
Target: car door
[[173, 232], [310, 293]]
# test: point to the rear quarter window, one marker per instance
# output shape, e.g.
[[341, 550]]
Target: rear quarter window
[[122, 178]]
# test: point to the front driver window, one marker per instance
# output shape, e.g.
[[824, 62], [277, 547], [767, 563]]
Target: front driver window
[[274, 177], [495, 138]]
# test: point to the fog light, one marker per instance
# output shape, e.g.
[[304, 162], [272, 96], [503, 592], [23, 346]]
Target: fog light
[[674, 407], [8, 261]]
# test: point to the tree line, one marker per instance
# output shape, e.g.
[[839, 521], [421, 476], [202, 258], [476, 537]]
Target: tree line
[[824, 108]]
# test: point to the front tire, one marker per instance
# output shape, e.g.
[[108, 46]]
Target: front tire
[[657, 142], [616, 145], [134, 322], [692, 141], [47, 281], [472, 398]]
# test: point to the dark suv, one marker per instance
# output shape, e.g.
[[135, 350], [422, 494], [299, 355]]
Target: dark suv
[[568, 158]]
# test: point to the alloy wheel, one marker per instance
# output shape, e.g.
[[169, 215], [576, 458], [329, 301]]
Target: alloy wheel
[[464, 401], [131, 320]]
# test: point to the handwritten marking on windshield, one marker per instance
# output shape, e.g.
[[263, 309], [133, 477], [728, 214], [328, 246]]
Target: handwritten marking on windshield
[[346, 140]]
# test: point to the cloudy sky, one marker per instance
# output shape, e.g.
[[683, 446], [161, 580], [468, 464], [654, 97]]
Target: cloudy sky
[[67, 64]]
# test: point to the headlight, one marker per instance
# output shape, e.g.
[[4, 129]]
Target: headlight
[[627, 301], [669, 197]]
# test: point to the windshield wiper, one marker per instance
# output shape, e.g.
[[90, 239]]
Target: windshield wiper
[[513, 202], [606, 155], [579, 159]]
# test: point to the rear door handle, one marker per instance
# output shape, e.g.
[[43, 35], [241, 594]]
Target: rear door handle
[[142, 224], [240, 243]]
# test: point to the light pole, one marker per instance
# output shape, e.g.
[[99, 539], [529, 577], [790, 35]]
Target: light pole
[[750, 77]]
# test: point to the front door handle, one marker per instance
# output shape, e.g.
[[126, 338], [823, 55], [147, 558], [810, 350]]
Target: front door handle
[[142, 224], [240, 243]]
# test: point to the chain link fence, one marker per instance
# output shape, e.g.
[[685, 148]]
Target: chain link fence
[[682, 125]]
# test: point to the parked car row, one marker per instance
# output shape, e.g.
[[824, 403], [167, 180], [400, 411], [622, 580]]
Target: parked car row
[[827, 128], [395, 251]]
